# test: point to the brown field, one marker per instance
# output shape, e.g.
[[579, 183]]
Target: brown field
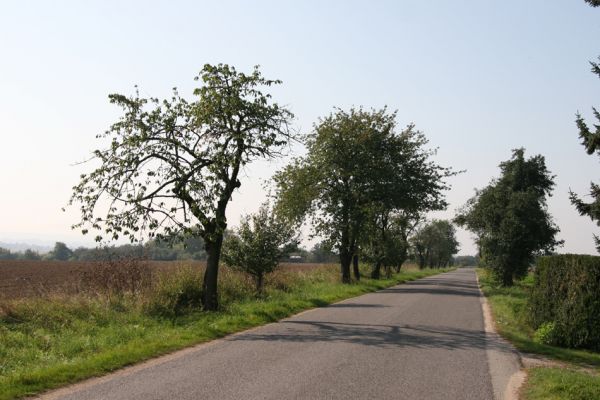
[[21, 278]]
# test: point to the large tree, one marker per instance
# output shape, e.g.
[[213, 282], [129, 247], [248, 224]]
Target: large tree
[[358, 167], [510, 217], [172, 166], [591, 141]]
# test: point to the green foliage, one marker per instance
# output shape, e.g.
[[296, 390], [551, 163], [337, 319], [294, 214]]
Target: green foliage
[[546, 333], [560, 384], [30, 255], [435, 243], [591, 142], [385, 241], [60, 252], [510, 217], [512, 314], [466, 261], [358, 168], [258, 244], [173, 165], [566, 293]]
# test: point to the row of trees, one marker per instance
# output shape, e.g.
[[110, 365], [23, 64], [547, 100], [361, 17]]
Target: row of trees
[[172, 167]]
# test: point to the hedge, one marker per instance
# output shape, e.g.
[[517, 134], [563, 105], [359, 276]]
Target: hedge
[[566, 296]]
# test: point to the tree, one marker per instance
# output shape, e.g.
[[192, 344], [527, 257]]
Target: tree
[[60, 252], [29, 254], [593, 3], [591, 142], [172, 166], [321, 253], [435, 243], [256, 247], [386, 243], [357, 165], [6, 254], [510, 217]]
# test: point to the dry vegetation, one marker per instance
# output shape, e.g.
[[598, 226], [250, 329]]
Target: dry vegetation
[[22, 278]]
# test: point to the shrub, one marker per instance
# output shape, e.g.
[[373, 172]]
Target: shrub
[[546, 333], [256, 247], [566, 292], [176, 293]]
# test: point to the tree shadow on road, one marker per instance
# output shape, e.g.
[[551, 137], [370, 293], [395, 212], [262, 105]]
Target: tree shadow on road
[[379, 336]]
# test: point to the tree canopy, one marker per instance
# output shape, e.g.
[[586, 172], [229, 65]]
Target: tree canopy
[[435, 243], [173, 165], [259, 243], [510, 217], [358, 167]]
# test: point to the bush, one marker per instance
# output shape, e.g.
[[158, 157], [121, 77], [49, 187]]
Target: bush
[[177, 293], [566, 292], [546, 333]]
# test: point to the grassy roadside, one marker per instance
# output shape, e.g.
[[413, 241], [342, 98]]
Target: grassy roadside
[[509, 308], [47, 343]]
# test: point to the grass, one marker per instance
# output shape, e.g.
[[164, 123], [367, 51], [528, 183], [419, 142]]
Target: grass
[[560, 384], [49, 342], [509, 308]]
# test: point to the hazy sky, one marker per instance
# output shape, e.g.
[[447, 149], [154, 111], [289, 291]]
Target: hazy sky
[[478, 77]]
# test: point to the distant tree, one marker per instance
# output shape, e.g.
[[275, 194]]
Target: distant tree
[[321, 253], [466, 261], [60, 252], [172, 165], [30, 255], [510, 217], [358, 167], [435, 243], [386, 242], [256, 247], [6, 254]]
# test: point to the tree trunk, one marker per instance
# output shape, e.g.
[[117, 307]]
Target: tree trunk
[[507, 278], [355, 267], [388, 271], [421, 261], [260, 278], [401, 261], [345, 260], [210, 299], [376, 273]]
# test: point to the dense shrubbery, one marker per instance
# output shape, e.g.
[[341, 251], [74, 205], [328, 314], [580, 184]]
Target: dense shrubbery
[[566, 296]]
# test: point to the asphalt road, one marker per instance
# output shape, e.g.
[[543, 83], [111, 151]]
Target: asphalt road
[[420, 340]]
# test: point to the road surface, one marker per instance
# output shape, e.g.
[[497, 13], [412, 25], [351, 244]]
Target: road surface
[[420, 340]]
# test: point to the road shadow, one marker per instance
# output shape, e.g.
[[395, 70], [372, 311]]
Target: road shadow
[[356, 305], [379, 336], [438, 290]]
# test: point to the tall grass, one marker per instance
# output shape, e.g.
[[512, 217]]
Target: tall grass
[[49, 341]]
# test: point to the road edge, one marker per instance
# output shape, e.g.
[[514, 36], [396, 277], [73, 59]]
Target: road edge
[[504, 360]]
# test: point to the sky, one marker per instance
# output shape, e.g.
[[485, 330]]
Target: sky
[[478, 77]]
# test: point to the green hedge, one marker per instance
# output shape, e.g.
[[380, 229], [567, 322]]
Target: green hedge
[[566, 297]]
